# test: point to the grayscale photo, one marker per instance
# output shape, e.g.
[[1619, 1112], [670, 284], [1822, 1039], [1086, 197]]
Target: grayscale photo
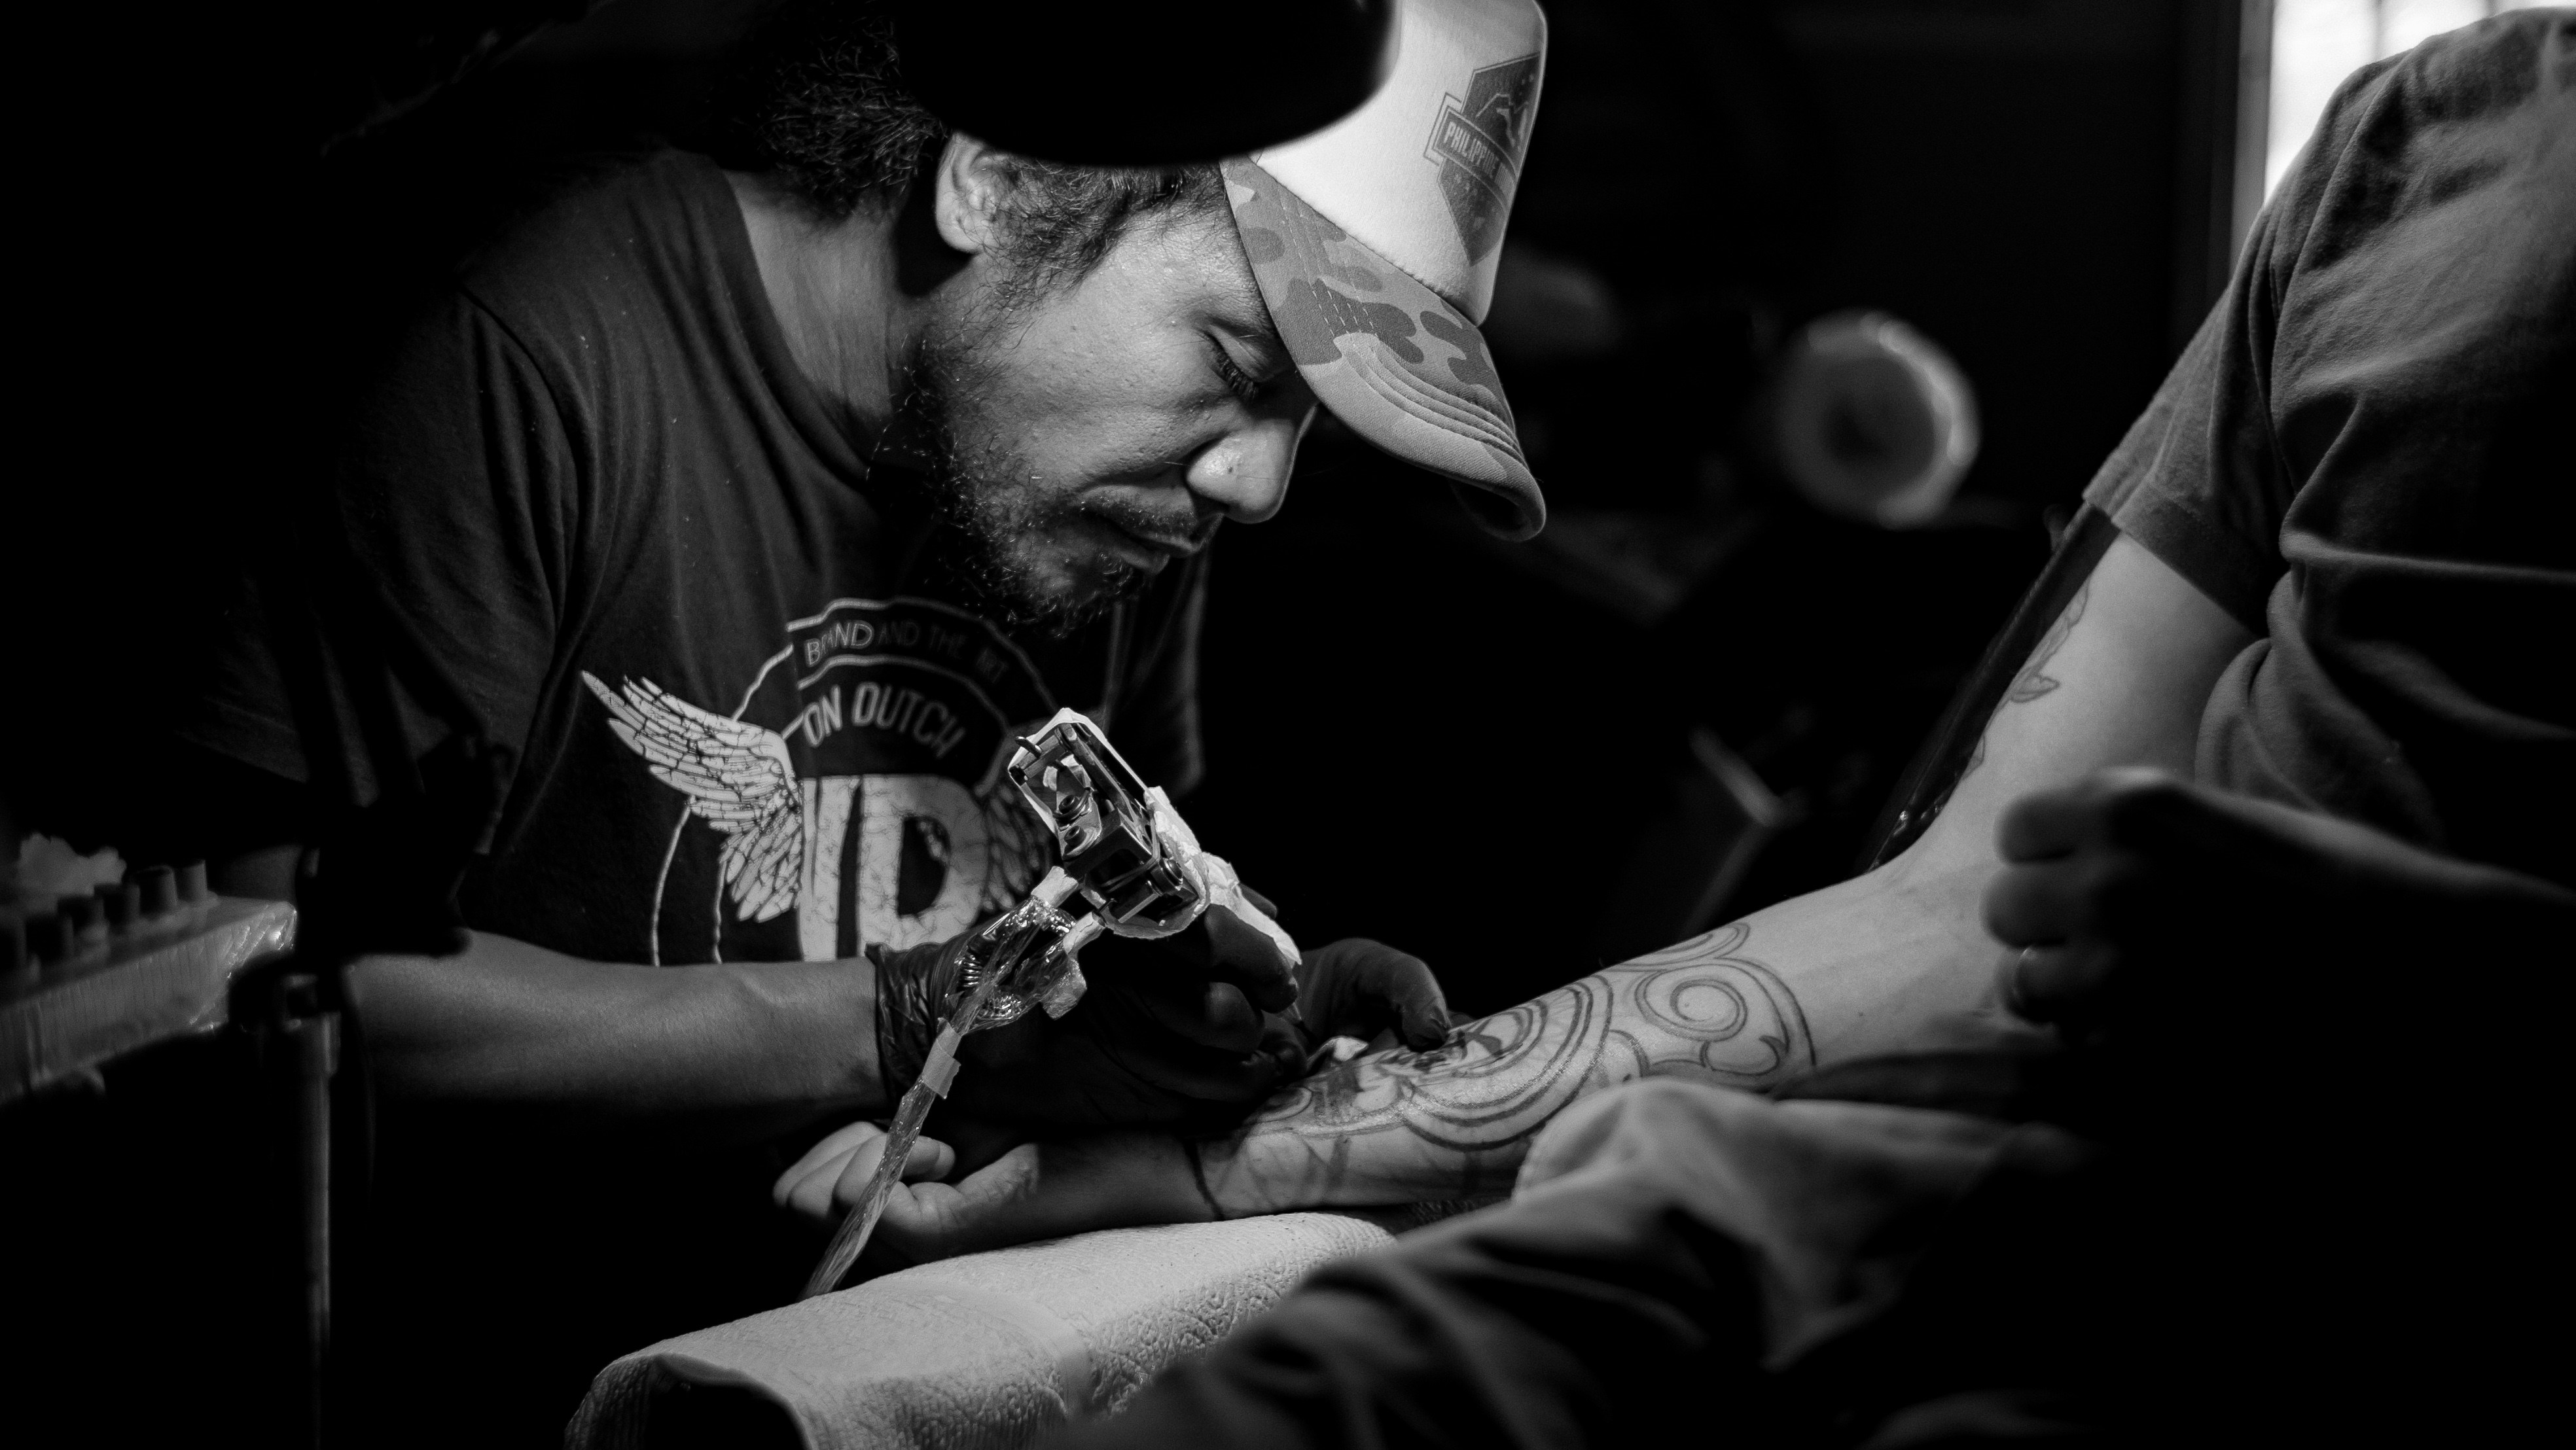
[[900, 724]]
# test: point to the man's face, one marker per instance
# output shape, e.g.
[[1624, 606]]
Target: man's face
[[1102, 430]]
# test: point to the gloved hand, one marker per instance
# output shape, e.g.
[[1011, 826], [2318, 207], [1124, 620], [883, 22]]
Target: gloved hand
[[1171, 1033], [1361, 988], [1187, 1031], [1354, 987], [1006, 1190]]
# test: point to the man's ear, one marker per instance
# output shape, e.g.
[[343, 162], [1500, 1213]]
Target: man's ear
[[970, 187]]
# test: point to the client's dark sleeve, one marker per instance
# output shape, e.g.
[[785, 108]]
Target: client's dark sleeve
[[1673, 1244], [1586, 1317]]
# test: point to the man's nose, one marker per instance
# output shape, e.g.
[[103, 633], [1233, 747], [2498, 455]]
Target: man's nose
[[1246, 471]]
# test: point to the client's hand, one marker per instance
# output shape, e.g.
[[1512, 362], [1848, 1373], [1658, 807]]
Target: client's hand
[[2134, 891], [1034, 1191]]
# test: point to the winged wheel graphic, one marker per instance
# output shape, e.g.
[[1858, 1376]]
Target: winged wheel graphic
[[738, 779]]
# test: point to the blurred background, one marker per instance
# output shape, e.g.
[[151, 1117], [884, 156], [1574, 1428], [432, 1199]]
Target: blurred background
[[1817, 315]]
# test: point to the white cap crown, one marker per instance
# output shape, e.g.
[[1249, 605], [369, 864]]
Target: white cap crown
[[1424, 172]]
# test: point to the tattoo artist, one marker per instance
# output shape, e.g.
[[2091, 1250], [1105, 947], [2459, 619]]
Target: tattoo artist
[[736, 511]]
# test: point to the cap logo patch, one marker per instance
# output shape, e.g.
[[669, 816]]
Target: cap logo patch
[[1478, 143]]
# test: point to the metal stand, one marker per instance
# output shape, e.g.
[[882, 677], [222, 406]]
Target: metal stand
[[295, 1022]]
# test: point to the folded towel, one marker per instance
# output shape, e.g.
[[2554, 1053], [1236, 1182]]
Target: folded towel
[[984, 1350]]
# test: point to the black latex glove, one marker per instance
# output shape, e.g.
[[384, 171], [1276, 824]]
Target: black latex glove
[[1354, 987], [1171, 1033], [1361, 988]]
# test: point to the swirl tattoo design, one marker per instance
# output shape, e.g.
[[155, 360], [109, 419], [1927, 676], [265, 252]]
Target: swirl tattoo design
[[1396, 1126]]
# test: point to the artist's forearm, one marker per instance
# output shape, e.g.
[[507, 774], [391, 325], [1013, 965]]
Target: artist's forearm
[[757, 1046]]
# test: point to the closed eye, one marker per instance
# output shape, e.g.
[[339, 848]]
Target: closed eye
[[1238, 382]]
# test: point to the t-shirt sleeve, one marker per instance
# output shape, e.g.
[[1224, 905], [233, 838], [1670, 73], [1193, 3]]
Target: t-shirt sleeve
[[2197, 481], [2362, 456], [429, 567]]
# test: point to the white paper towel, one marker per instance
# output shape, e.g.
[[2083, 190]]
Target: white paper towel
[[989, 1349]]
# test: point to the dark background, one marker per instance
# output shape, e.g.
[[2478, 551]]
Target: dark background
[[1414, 733]]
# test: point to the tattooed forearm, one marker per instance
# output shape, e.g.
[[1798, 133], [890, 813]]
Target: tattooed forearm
[[1453, 1122], [2034, 679]]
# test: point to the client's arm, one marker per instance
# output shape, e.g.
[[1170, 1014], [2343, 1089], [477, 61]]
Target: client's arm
[[1398, 1126], [1385, 1127], [1879, 963], [1876, 964]]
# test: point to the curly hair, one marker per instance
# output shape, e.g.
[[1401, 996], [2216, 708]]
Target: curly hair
[[818, 101]]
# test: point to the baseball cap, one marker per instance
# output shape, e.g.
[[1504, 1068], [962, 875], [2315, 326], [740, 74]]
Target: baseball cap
[[1374, 242]]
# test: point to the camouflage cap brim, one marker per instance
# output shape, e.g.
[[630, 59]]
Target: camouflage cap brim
[[1401, 367]]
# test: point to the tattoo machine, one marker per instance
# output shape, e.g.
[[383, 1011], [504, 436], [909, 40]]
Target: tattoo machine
[[1126, 863]]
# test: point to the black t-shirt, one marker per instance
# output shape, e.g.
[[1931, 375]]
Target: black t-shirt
[[594, 506], [2365, 456]]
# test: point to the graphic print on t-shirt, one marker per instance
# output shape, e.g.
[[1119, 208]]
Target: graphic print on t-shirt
[[855, 796]]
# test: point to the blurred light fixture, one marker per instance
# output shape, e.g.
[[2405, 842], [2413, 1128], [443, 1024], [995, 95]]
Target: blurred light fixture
[[1869, 419]]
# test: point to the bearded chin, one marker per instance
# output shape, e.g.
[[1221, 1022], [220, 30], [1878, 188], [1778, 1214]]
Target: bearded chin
[[996, 520]]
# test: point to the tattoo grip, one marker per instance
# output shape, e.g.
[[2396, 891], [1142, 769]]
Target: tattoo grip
[[1023, 958], [853, 1234]]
